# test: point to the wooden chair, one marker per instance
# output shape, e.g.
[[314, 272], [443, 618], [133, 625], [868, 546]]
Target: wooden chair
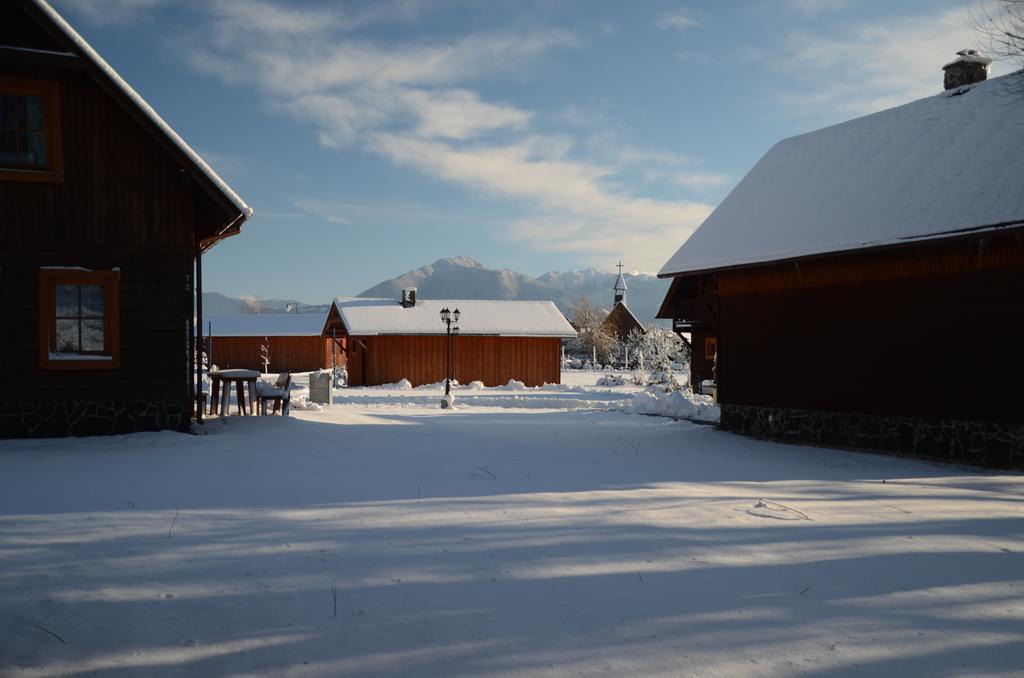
[[280, 393]]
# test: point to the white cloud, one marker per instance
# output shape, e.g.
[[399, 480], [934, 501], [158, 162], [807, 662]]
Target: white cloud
[[811, 7], [876, 65], [104, 12], [261, 16], [699, 181], [677, 20], [412, 103], [460, 114], [579, 212]]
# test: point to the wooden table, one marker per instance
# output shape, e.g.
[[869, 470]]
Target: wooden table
[[220, 399]]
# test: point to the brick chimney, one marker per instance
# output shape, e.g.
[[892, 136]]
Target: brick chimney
[[969, 67]]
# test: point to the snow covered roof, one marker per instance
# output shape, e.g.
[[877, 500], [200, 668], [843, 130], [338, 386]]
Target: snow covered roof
[[89, 53], [267, 325], [367, 317], [928, 169], [620, 282]]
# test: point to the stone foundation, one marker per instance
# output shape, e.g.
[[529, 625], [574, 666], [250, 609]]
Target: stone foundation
[[49, 419], [970, 442]]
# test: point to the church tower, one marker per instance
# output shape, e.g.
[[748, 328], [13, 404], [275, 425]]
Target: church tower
[[620, 287]]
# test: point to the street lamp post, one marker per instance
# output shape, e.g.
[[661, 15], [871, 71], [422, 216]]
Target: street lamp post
[[449, 317]]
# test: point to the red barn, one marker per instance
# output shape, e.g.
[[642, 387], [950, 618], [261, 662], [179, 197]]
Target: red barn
[[863, 285], [294, 341], [386, 341]]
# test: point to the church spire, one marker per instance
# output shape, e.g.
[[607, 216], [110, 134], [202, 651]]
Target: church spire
[[620, 286]]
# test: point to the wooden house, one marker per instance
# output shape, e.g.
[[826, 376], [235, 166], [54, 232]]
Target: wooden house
[[863, 285], [386, 340], [104, 214], [293, 342]]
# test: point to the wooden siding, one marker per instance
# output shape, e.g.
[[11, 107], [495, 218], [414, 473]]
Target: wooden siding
[[124, 203], [119, 188], [943, 346], [955, 255], [154, 303], [294, 354], [421, 359]]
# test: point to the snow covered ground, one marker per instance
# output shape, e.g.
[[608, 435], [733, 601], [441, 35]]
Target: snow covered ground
[[533, 532]]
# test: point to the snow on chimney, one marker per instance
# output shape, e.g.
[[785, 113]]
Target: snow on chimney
[[968, 68], [408, 297]]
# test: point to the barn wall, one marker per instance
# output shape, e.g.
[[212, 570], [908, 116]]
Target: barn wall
[[421, 359], [958, 255], [940, 346], [293, 354]]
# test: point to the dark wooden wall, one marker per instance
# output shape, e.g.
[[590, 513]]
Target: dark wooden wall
[[943, 346], [421, 359], [824, 332], [293, 354], [122, 203]]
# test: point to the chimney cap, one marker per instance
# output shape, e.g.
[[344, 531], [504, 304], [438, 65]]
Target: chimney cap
[[969, 56]]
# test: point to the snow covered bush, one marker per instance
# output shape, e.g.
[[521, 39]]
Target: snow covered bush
[[659, 349], [679, 404], [611, 380], [340, 377], [300, 402], [514, 385], [400, 385], [475, 385]]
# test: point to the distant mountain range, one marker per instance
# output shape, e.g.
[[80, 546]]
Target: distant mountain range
[[466, 278], [215, 303]]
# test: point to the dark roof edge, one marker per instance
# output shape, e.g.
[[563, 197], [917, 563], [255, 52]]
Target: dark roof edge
[[896, 244]]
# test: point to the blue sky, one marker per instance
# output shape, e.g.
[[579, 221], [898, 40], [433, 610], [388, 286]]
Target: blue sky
[[374, 137]]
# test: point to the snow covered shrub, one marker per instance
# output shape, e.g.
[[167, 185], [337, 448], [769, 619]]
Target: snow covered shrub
[[340, 377], [659, 350], [299, 402], [611, 380], [514, 385], [680, 404], [400, 385], [475, 385]]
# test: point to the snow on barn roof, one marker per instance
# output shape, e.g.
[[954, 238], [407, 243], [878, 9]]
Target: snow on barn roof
[[928, 169], [89, 53], [367, 317], [267, 325]]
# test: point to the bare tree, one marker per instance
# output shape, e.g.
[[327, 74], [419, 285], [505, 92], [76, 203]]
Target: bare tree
[[591, 336], [1001, 28]]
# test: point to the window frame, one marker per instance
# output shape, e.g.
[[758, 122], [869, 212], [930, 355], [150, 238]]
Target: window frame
[[110, 358], [53, 170]]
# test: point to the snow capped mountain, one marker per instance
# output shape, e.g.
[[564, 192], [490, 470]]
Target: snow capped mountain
[[466, 278]]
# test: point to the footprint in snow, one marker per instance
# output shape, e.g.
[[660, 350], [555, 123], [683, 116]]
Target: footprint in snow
[[776, 511]]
